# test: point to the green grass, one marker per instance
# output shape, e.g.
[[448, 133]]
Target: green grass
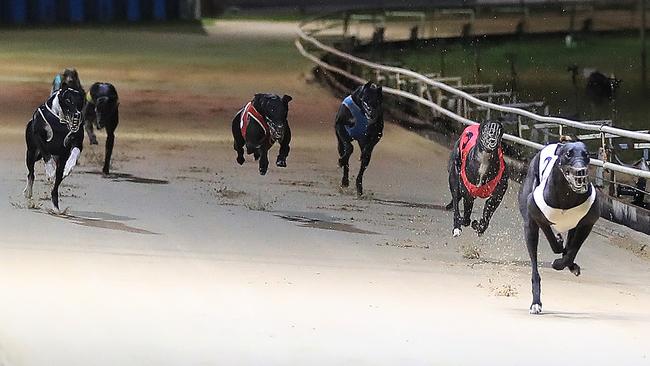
[[541, 65]]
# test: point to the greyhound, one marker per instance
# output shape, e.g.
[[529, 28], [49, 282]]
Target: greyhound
[[102, 110], [258, 125], [601, 88], [360, 117], [68, 79], [54, 134], [557, 197], [477, 170]]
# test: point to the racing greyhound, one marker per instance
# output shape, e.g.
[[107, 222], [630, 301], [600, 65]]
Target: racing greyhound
[[477, 170], [54, 134], [557, 197], [102, 110], [258, 125], [68, 79], [360, 117]]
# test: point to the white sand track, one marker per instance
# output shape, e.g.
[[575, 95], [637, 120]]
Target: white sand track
[[204, 270]]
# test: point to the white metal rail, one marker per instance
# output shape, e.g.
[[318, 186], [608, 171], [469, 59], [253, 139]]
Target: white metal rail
[[604, 129]]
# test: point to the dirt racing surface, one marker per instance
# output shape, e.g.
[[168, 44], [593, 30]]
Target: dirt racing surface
[[183, 257]]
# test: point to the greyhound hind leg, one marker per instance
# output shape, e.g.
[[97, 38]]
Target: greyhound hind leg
[[31, 158]]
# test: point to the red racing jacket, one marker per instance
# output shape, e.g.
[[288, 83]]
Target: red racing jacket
[[250, 112], [468, 140]]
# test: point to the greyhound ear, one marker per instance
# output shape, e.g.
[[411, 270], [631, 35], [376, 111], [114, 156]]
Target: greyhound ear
[[257, 98], [368, 84], [286, 99]]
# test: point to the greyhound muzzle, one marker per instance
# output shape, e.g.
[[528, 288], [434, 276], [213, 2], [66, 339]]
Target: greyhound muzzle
[[577, 177], [491, 136], [72, 120], [276, 130]]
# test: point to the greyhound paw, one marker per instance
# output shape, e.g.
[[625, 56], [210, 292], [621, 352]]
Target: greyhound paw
[[575, 269], [466, 222], [345, 182], [456, 232], [262, 171], [27, 192], [558, 264], [535, 309], [240, 160], [480, 226], [54, 210], [281, 162], [50, 169]]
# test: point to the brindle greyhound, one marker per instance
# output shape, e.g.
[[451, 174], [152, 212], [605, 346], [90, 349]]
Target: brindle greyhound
[[68, 79], [258, 125], [54, 134], [360, 117], [102, 110], [477, 169], [557, 197]]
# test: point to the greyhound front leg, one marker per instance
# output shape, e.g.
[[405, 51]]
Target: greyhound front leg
[[468, 206], [556, 241], [284, 149], [491, 205], [574, 241], [55, 189], [345, 151], [71, 162], [366, 155], [238, 140], [264, 160], [531, 231], [457, 218], [110, 141], [454, 188], [90, 131]]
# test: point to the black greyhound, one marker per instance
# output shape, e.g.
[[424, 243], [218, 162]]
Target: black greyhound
[[68, 79], [258, 125], [102, 110], [360, 117], [54, 134], [477, 170], [557, 197]]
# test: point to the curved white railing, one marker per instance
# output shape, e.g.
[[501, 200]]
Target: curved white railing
[[466, 96]]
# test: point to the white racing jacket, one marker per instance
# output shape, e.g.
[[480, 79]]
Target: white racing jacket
[[561, 220]]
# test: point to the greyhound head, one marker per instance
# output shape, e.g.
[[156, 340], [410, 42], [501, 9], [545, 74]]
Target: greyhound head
[[573, 161], [490, 135], [71, 103], [70, 79], [369, 97], [275, 110]]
